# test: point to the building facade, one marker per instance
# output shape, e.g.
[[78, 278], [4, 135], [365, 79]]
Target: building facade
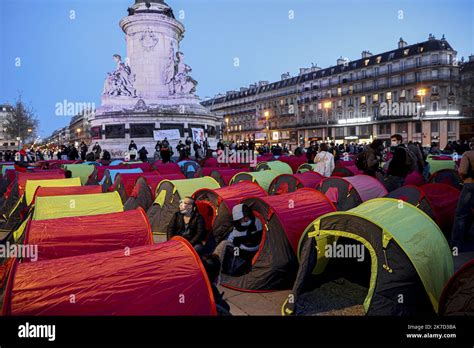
[[6, 141], [413, 90]]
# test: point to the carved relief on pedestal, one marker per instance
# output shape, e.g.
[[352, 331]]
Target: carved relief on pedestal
[[120, 83], [149, 40]]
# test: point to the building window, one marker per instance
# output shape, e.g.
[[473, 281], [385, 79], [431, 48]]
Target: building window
[[362, 99], [116, 131], [339, 91], [434, 90], [142, 130], [434, 106], [434, 74], [434, 126], [451, 126], [417, 127], [389, 96], [402, 128], [376, 97], [434, 58]]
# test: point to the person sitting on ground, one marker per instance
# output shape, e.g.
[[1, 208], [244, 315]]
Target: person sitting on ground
[[188, 223], [212, 265], [236, 253]]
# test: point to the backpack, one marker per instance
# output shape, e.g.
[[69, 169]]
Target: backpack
[[361, 161], [411, 161]]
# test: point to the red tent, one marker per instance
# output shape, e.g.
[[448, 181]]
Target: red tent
[[286, 183], [67, 191], [125, 182], [414, 178], [211, 162], [43, 175], [224, 175], [145, 282], [443, 200], [285, 218], [79, 235], [216, 205], [143, 193], [293, 161], [167, 168]]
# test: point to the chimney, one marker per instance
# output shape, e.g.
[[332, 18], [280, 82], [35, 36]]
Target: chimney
[[402, 43], [366, 54], [431, 37], [471, 58], [285, 76], [342, 61]]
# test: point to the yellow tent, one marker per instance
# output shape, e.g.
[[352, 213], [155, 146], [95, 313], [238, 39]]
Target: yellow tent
[[32, 185]]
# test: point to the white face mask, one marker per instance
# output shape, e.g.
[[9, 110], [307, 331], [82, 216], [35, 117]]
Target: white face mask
[[245, 224], [394, 143]]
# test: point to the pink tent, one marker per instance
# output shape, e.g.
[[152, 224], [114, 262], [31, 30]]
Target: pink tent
[[167, 168], [293, 161]]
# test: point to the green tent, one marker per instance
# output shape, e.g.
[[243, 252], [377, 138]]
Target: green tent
[[263, 178], [277, 166], [168, 195], [436, 165], [307, 167], [81, 171], [410, 259]]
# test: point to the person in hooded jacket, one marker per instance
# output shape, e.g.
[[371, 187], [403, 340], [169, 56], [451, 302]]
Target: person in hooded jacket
[[189, 224]]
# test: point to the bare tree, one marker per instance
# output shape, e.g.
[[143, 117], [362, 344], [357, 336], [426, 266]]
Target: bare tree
[[21, 122]]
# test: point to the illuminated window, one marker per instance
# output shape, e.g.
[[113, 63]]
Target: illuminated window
[[379, 59], [376, 97], [339, 91], [320, 106], [362, 99], [366, 62], [389, 96], [405, 52]]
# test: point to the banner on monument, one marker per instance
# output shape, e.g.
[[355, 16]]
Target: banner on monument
[[171, 134], [198, 134]]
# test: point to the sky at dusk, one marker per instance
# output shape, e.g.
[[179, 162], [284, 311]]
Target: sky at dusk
[[48, 57]]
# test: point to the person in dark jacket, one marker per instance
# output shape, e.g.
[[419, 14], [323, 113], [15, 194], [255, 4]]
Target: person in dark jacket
[[373, 155], [84, 149], [132, 146], [400, 165], [143, 154], [189, 224], [212, 265]]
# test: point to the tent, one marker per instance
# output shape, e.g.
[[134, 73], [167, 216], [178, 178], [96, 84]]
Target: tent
[[284, 218], [99, 171], [67, 191], [151, 283], [438, 201], [448, 177], [293, 161], [78, 205], [167, 168], [224, 175], [410, 260], [125, 182], [346, 171], [285, 183], [348, 193], [109, 177], [79, 235], [458, 294], [216, 205], [168, 195], [189, 168], [263, 178], [143, 193], [277, 166], [16, 187], [414, 178], [82, 171], [440, 162]]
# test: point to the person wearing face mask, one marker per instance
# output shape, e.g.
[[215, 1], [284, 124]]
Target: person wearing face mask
[[369, 160], [189, 224], [236, 253], [400, 165]]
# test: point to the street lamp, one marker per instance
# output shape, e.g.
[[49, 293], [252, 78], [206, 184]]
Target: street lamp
[[327, 105], [267, 116], [227, 127], [421, 93]]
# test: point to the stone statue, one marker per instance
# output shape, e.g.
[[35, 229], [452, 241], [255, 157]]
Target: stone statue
[[120, 82], [180, 82]]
